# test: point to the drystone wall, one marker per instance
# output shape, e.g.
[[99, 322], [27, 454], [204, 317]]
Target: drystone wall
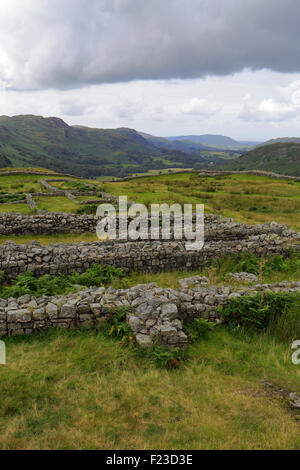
[[215, 226], [205, 173], [37, 173], [141, 256], [30, 201], [154, 314]]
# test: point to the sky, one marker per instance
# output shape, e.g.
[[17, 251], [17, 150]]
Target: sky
[[166, 67]]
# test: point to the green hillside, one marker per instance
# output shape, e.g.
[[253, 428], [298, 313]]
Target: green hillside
[[281, 158], [4, 162], [30, 141], [295, 140]]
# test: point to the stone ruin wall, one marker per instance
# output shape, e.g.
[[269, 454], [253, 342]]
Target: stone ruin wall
[[131, 256], [216, 227], [155, 314], [205, 173]]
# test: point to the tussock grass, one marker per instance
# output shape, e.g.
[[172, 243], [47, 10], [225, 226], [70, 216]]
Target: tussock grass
[[56, 204], [19, 208], [245, 198], [268, 270], [48, 239], [80, 389]]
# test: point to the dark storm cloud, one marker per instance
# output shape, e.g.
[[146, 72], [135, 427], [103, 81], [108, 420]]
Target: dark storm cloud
[[70, 43]]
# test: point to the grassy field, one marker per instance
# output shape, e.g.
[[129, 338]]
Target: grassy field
[[54, 238], [82, 390], [76, 185], [56, 204], [165, 171], [21, 183], [20, 208], [268, 270], [245, 198], [17, 184]]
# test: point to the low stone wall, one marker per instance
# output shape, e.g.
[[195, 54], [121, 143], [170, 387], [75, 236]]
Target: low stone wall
[[37, 173], [154, 313], [215, 226], [30, 201], [46, 223], [140, 256], [205, 173]]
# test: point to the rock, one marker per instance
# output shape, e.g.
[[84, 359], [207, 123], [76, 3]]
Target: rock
[[19, 316], [168, 330], [39, 314], [68, 310], [96, 309], [135, 324], [295, 400], [25, 299], [243, 277], [169, 311], [144, 340], [52, 311]]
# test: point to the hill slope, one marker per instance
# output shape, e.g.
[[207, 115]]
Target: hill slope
[[214, 140], [30, 141], [295, 140], [5, 162], [281, 158]]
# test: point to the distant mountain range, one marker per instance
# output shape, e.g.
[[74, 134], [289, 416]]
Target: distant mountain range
[[30, 141], [35, 141], [192, 143], [218, 141]]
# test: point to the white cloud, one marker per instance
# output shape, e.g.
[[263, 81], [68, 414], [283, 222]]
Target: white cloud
[[268, 110], [201, 106]]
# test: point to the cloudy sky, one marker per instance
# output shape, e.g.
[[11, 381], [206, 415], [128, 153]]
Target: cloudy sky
[[166, 67]]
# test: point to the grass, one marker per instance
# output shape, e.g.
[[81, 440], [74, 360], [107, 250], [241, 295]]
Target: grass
[[87, 198], [81, 390], [163, 171], [75, 185], [20, 183], [20, 208], [17, 184], [245, 198], [48, 239], [269, 270], [56, 204]]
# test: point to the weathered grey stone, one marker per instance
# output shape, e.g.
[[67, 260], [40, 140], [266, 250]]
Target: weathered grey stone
[[39, 314], [19, 316], [168, 330], [169, 311], [135, 323], [144, 340], [68, 310], [52, 311], [25, 299]]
